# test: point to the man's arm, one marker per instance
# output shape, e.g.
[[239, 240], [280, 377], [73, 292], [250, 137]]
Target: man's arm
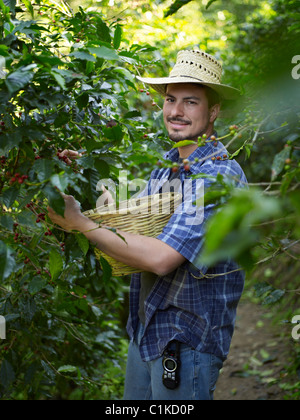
[[142, 252]]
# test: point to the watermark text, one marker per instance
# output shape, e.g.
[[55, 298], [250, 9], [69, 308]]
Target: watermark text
[[2, 67], [2, 328], [191, 192], [296, 69], [296, 329]]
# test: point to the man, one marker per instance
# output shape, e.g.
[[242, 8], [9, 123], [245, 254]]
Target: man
[[182, 314]]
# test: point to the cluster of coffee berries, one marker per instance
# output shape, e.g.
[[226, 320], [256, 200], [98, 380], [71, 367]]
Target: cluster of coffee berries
[[78, 296], [41, 217], [148, 94], [223, 157], [2, 126], [18, 237], [17, 178], [3, 161], [143, 90], [233, 129], [35, 208], [48, 232]]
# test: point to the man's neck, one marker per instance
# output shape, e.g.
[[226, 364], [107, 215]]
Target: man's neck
[[186, 151]]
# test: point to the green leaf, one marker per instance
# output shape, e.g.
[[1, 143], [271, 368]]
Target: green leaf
[[7, 261], [36, 285], [83, 242], [11, 4], [44, 169], [29, 7], [59, 181], [48, 370], [55, 264], [7, 374], [183, 143], [56, 201], [117, 37], [103, 32], [62, 119], [262, 288], [229, 231], [279, 161], [104, 52], [113, 133], [7, 222], [59, 79], [9, 196], [274, 297], [210, 3], [106, 268], [9, 141], [18, 80], [67, 369], [175, 7], [82, 100], [102, 167], [83, 55]]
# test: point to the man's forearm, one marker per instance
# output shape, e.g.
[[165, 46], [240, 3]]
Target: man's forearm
[[142, 252]]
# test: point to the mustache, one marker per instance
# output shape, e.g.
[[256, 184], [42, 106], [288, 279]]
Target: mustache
[[175, 119]]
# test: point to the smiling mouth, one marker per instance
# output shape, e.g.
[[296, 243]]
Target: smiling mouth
[[177, 124]]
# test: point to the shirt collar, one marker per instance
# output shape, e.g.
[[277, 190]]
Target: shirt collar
[[200, 154]]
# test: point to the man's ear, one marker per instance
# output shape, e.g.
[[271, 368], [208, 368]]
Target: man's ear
[[213, 112]]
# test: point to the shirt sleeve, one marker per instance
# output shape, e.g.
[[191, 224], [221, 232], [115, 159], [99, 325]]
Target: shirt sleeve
[[186, 228], [185, 231]]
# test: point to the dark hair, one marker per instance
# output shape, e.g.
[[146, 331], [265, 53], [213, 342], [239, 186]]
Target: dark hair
[[212, 96]]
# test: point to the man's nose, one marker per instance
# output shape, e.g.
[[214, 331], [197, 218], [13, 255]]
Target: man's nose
[[177, 110]]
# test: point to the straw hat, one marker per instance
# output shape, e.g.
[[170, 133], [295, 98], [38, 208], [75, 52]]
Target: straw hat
[[194, 67]]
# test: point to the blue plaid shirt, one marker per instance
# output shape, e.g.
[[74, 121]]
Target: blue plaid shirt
[[194, 304]]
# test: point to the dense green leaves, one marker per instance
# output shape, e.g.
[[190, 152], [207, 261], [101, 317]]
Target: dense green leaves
[[231, 232], [64, 88], [7, 261]]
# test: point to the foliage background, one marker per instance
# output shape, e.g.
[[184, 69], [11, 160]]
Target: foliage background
[[69, 83]]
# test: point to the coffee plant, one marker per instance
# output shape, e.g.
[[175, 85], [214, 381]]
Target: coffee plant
[[63, 86]]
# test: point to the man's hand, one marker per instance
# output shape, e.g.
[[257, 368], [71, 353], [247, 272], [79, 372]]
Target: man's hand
[[69, 155], [73, 219]]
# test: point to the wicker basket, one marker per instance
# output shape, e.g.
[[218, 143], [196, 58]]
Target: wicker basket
[[143, 216]]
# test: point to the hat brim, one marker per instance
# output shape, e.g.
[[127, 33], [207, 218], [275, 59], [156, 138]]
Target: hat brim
[[160, 84], [230, 97]]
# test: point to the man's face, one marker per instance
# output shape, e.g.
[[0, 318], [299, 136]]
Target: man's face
[[186, 112]]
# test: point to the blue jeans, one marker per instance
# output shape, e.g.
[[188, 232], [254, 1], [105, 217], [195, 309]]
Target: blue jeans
[[198, 375]]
